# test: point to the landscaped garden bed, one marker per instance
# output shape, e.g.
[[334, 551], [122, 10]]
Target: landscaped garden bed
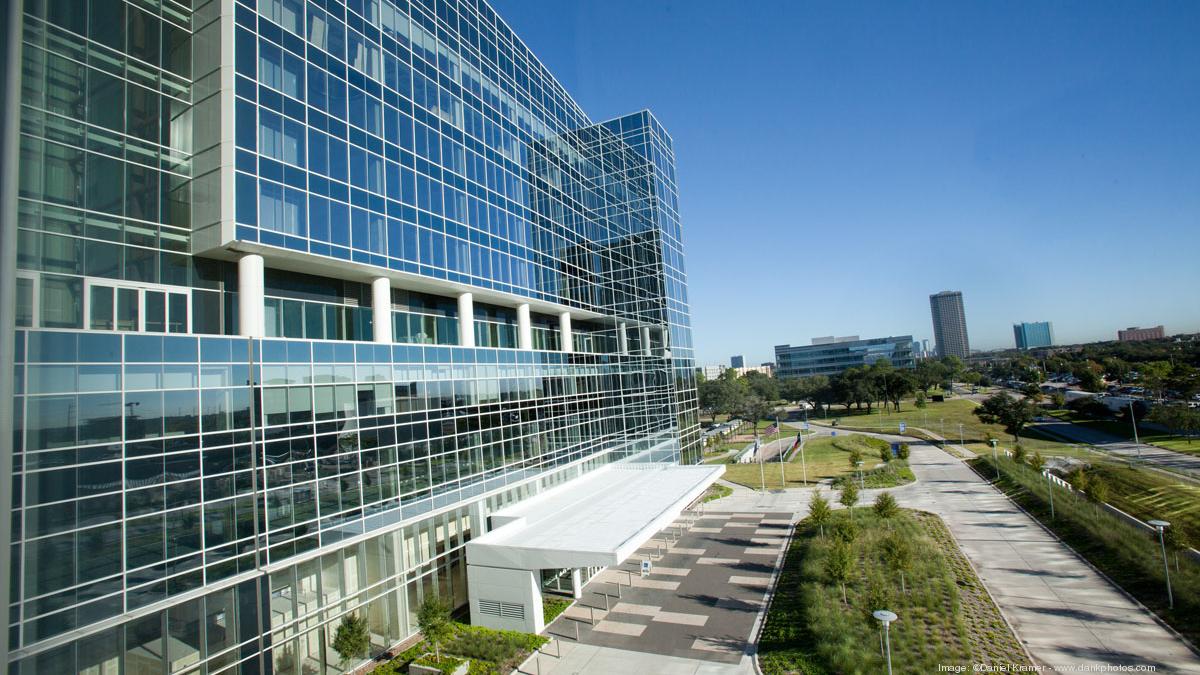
[[907, 562], [490, 652]]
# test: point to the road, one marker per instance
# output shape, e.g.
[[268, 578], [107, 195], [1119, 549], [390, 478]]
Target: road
[[1152, 454]]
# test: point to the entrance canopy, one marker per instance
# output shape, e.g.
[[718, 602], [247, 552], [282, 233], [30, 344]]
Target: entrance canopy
[[597, 520]]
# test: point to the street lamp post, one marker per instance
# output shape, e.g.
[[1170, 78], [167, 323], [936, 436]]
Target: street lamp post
[[1133, 421], [1050, 490], [1161, 525], [803, 465], [960, 435], [886, 618], [861, 484], [995, 459], [779, 435]]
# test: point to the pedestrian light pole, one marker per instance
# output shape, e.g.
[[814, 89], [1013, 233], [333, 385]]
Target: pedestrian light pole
[[1162, 525], [779, 438], [886, 618], [995, 459], [861, 484], [961, 442], [1133, 421]]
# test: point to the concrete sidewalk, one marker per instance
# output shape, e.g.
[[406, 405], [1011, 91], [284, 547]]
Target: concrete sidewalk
[[1065, 612]]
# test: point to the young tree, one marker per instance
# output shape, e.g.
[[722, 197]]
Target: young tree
[[351, 639], [898, 554], [819, 512], [849, 496], [433, 620], [886, 508], [920, 401], [1037, 461], [1011, 413], [903, 451], [838, 563], [1177, 541], [1058, 400], [885, 454]]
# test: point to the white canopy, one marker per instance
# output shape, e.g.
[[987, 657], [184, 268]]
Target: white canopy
[[597, 520]]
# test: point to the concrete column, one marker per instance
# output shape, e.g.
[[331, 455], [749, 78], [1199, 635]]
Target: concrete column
[[564, 330], [524, 327], [381, 306], [646, 340], [576, 583], [466, 320], [623, 338], [250, 296]]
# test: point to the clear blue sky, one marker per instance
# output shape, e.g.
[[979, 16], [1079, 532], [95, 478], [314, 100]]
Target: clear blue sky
[[840, 161]]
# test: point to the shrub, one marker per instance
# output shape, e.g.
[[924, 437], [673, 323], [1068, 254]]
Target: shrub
[[885, 506], [1018, 453], [885, 455], [878, 596], [1037, 461], [1097, 489], [819, 511], [845, 531], [552, 607], [351, 639], [856, 456], [433, 620], [903, 451], [849, 496]]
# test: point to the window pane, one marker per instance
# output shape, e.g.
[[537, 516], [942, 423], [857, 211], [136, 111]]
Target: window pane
[[61, 302], [177, 313], [24, 302], [101, 308], [156, 312], [127, 309]]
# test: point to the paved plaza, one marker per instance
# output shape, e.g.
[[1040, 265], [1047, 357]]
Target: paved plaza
[[696, 610]]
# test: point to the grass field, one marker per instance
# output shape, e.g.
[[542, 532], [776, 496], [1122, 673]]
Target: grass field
[[945, 616], [1128, 555], [823, 457], [1149, 495]]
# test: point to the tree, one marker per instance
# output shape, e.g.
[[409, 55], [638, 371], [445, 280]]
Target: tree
[[903, 451], [351, 639], [1179, 419], [761, 385], [928, 374], [1032, 392], [885, 454], [1058, 400], [838, 564], [886, 508], [1004, 410], [920, 402], [1177, 541], [1153, 375], [898, 555], [849, 496], [1037, 461], [433, 620], [819, 512]]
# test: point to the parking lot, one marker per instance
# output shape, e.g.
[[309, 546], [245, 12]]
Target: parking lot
[[701, 598]]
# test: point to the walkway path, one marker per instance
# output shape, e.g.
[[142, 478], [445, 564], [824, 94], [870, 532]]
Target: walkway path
[[1065, 612]]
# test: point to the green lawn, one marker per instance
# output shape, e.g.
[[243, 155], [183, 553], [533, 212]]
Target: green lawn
[[1150, 495], [945, 616], [824, 457]]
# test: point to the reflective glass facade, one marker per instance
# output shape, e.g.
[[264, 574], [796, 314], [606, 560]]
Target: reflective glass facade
[[196, 493], [831, 358]]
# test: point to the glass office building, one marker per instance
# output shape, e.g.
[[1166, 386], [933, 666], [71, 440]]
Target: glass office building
[[300, 292], [830, 356], [1031, 335]]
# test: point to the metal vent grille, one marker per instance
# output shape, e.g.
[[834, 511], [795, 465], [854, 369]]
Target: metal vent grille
[[507, 610]]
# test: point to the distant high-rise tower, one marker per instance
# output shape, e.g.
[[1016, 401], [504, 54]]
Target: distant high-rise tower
[[949, 324], [1033, 335], [737, 362]]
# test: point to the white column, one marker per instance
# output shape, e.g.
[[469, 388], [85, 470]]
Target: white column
[[381, 306], [622, 338], [466, 320], [564, 330], [524, 328], [646, 340], [250, 296]]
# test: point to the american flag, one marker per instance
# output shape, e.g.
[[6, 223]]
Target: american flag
[[771, 429]]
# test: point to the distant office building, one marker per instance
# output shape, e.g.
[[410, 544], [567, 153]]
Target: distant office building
[[711, 372], [949, 324], [1135, 334], [925, 349], [737, 362], [1032, 335], [829, 356]]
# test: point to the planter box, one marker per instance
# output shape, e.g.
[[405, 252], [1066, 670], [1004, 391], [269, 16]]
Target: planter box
[[415, 668]]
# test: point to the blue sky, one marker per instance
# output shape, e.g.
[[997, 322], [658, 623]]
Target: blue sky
[[840, 161]]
